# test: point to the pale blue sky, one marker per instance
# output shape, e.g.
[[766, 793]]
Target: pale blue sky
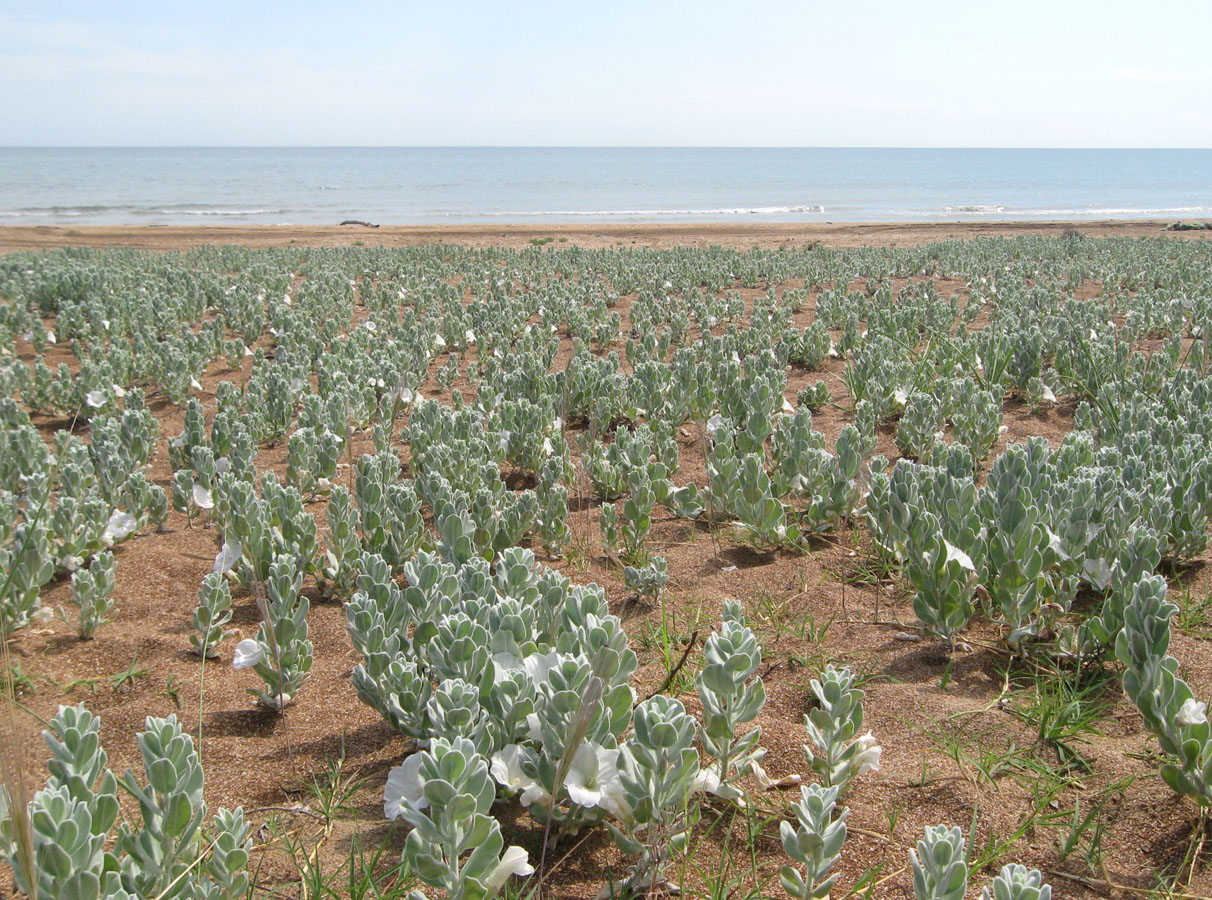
[[1015, 74]]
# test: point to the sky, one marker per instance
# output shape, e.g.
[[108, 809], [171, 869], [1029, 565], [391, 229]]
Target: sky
[[980, 73]]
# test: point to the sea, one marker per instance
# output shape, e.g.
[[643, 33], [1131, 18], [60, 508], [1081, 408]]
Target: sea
[[443, 185]]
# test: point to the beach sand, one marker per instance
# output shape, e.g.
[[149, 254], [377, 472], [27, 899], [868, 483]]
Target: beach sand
[[592, 236]]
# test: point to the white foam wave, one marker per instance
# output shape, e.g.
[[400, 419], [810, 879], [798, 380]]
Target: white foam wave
[[654, 213], [1107, 212], [221, 212], [977, 208]]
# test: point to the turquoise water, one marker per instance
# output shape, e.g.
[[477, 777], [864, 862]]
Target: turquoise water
[[434, 185]]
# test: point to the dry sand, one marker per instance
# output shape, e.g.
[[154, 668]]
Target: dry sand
[[593, 236]]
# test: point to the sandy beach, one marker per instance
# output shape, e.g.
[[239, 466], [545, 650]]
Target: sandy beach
[[591, 236]]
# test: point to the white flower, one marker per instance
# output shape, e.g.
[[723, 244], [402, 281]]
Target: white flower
[[405, 395], [1191, 713], [534, 731], [195, 384], [203, 499], [105, 324], [95, 399], [868, 755], [832, 350], [787, 407], [766, 783], [404, 788], [1055, 544], [438, 342], [41, 616], [900, 396], [591, 768], [538, 665], [119, 392], [506, 768], [469, 336], [714, 424], [707, 781], [247, 654], [959, 556], [548, 449], [71, 563], [370, 326], [50, 337], [227, 557], [1097, 572], [119, 526], [286, 300], [514, 861], [1048, 395]]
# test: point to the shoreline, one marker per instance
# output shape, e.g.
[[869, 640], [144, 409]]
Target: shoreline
[[665, 235]]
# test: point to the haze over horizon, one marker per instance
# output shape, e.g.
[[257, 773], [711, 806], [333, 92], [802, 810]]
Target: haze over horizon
[[877, 74]]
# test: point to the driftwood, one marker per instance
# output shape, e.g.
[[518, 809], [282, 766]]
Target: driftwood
[[358, 222]]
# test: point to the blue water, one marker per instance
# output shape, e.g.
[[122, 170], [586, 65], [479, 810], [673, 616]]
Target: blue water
[[435, 185]]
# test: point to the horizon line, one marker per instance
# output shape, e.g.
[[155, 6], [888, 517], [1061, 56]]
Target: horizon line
[[572, 147]]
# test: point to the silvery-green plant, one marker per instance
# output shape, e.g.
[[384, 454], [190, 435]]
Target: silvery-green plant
[[940, 864], [210, 615], [146, 502], [976, 417], [740, 486], [77, 526], [1139, 556], [390, 679], [92, 590], [71, 817], [648, 580], [552, 498], [658, 769], [945, 578], [1019, 544], [311, 460], [636, 519], [813, 842], [181, 447], [281, 653], [161, 852], [1166, 703], [918, 429], [344, 546], [167, 852], [27, 562], [838, 753], [1017, 882], [814, 396], [731, 698], [446, 794]]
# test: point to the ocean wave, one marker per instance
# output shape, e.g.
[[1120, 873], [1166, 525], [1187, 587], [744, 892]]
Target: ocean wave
[[1107, 212], [71, 211], [977, 208], [653, 213], [221, 212], [1113, 211], [75, 212]]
